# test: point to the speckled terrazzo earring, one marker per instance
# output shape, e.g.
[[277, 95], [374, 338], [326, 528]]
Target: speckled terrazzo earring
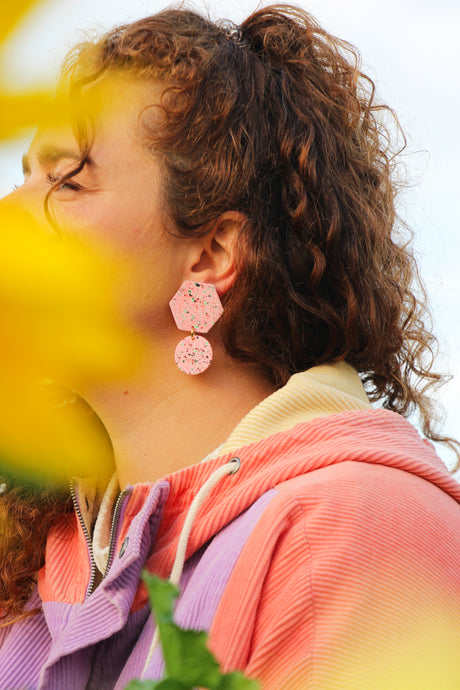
[[195, 307]]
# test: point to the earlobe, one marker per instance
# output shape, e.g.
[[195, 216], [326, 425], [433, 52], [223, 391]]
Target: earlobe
[[217, 261]]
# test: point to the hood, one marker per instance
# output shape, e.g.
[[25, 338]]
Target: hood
[[320, 418]]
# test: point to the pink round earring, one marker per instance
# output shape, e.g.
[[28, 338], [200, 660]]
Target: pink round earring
[[195, 307]]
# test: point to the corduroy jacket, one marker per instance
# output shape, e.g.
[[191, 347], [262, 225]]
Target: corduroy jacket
[[330, 560]]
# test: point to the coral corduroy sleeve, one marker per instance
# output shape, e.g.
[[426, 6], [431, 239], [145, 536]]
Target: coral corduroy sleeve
[[344, 584]]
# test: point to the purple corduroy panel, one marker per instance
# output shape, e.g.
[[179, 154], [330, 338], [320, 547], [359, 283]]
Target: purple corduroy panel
[[24, 650], [99, 644], [57, 648], [203, 583]]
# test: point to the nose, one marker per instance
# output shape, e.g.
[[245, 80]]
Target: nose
[[27, 205], [24, 197]]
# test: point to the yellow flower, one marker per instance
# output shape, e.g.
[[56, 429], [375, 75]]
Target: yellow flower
[[59, 321], [59, 325], [22, 110]]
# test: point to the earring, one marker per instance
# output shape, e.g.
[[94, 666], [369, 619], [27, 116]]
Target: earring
[[195, 307]]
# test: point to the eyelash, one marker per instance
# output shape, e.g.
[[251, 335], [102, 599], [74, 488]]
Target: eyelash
[[67, 184]]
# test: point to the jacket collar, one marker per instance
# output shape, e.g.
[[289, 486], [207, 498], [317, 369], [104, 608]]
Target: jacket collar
[[318, 392]]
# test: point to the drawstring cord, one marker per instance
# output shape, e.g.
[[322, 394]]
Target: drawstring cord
[[229, 468]]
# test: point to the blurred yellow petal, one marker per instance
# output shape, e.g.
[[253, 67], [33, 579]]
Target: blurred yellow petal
[[58, 303], [21, 111], [59, 320], [50, 435], [12, 13]]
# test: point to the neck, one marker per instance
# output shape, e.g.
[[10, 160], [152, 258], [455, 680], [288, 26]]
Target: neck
[[166, 420]]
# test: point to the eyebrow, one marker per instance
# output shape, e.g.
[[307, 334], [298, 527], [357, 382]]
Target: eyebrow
[[49, 153]]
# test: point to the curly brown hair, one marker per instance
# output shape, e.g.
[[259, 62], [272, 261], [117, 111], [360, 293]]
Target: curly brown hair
[[26, 514], [275, 119]]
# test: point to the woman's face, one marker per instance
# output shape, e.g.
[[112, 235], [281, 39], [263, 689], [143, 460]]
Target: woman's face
[[117, 197]]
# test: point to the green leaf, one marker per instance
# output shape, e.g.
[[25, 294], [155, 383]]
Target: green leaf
[[166, 684], [188, 662], [187, 658], [162, 595], [142, 685], [237, 681]]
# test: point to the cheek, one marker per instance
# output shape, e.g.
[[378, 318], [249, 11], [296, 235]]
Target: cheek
[[114, 224], [130, 229]]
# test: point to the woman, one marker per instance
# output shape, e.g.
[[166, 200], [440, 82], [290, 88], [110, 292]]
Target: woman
[[322, 547]]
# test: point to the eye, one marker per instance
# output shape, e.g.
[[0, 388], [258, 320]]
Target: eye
[[66, 185]]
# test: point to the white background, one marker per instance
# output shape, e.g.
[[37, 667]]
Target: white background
[[410, 49]]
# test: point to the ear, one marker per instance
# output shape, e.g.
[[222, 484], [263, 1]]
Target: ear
[[215, 257]]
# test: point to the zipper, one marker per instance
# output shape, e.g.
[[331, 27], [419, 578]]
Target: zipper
[[114, 528], [89, 543]]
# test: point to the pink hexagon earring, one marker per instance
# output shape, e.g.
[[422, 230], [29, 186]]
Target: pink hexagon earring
[[195, 307]]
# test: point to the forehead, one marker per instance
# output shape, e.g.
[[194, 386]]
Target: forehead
[[115, 108], [120, 98], [51, 145]]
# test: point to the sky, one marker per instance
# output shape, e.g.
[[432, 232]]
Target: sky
[[408, 47]]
